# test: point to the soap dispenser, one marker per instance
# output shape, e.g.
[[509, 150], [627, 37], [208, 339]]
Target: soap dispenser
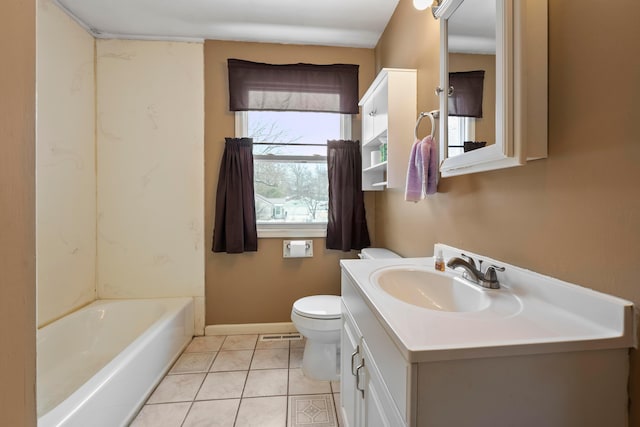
[[439, 262]]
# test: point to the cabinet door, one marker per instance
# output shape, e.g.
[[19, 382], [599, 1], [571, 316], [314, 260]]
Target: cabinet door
[[374, 413], [381, 110], [368, 114], [350, 358]]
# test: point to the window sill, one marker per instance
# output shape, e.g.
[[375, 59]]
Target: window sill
[[293, 230]]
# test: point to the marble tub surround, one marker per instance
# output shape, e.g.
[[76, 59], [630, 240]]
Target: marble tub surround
[[551, 315], [240, 380]]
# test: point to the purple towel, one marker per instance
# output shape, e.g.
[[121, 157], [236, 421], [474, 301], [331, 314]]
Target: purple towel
[[415, 172], [430, 166]]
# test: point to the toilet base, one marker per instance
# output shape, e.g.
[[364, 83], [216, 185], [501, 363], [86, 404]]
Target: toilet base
[[321, 361]]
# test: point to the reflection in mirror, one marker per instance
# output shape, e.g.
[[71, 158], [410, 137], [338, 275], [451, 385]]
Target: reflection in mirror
[[471, 43], [507, 40]]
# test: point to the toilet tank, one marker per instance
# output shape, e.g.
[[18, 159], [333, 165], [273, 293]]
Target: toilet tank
[[377, 253]]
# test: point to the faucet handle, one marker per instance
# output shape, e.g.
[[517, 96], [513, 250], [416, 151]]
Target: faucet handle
[[490, 279], [469, 259], [490, 273]]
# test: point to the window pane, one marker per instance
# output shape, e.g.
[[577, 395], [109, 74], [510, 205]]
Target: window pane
[[291, 192], [292, 127]]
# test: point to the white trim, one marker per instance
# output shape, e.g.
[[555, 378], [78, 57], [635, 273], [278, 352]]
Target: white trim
[[291, 230], [294, 230], [100, 35], [250, 328], [502, 153]]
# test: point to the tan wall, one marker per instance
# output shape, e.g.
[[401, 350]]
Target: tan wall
[[66, 169], [150, 154], [486, 126], [575, 215], [261, 286], [17, 214]]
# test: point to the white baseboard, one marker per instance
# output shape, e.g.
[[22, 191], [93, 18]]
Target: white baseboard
[[250, 328]]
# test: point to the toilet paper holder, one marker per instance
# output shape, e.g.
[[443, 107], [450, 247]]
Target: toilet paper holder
[[287, 248]]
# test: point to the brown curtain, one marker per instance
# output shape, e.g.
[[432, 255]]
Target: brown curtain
[[235, 222], [293, 87], [466, 99], [347, 224]]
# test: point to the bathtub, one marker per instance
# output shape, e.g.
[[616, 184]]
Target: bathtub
[[98, 365]]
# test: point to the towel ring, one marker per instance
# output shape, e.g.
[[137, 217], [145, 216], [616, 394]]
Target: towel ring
[[432, 116]]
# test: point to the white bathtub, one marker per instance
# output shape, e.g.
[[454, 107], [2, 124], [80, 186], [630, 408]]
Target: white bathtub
[[97, 366]]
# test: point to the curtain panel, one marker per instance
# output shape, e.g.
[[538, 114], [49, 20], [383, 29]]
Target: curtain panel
[[347, 223], [466, 99], [293, 87], [235, 221]]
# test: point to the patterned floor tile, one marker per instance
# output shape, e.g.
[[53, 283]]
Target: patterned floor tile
[[312, 411]]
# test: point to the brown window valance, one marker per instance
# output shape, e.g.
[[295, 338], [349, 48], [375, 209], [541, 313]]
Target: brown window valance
[[293, 87], [466, 99]]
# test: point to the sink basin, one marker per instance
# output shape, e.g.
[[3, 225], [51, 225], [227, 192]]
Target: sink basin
[[431, 289]]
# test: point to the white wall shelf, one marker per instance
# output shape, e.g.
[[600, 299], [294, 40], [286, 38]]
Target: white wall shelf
[[388, 117]]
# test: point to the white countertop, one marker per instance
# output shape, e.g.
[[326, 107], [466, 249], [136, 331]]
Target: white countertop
[[530, 314]]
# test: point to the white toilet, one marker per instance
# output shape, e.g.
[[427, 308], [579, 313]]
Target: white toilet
[[318, 319]]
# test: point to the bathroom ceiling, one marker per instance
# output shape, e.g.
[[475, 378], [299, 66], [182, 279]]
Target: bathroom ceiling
[[355, 23]]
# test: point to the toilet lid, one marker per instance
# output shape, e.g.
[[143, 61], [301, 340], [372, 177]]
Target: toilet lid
[[318, 307]]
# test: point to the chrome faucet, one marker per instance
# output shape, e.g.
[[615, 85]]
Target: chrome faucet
[[488, 279]]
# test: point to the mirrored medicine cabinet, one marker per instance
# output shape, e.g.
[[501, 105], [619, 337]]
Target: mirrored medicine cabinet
[[498, 47]]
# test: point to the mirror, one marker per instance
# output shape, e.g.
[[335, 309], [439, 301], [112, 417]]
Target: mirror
[[488, 49]]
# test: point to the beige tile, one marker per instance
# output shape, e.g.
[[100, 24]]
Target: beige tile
[[234, 360], [205, 344], [177, 388], [295, 357], [239, 342], [277, 358], [163, 415], [222, 385], [263, 412], [190, 363], [212, 413], [300, 384], [271, 344], [312, 411], [266, 382], [337, 404], [298, 343], [335, 386]]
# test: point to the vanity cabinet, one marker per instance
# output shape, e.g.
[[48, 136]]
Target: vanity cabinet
[[363, 393], [372, 387], [386, 384], [388, 117]]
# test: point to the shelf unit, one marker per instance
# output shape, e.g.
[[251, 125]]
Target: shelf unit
[[388, 117]]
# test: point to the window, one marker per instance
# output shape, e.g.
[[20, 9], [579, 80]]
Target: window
[[290, 168], [460, 129]]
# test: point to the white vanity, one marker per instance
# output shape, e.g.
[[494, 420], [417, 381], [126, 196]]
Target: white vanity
[[536, 352]]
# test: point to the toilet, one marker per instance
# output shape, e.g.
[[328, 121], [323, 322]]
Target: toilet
[[319, 319]]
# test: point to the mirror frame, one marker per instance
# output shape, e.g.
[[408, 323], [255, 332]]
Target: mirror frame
[[510, 148]]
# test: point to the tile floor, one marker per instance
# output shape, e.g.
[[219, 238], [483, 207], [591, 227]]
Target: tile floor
[[241, 381]]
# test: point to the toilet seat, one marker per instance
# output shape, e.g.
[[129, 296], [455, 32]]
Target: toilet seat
[[318, 307]]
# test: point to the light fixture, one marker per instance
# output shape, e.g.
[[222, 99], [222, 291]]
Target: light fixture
[[424, 4], [421, 4]]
